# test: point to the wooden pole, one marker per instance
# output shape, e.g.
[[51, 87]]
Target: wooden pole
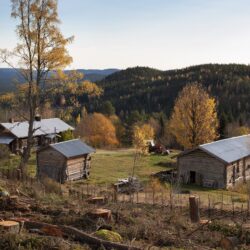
[[194, 209]]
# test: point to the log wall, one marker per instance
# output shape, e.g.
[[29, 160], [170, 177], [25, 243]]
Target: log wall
[[52, 164], [238, 171], [209, 171], [76, 168]]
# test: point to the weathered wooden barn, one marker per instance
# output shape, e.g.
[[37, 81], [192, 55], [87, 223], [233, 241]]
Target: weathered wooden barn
[[14, 134], [218, 164], [64, 161]]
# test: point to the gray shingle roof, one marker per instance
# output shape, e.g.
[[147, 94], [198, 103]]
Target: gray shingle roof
[[72, 148], [229, 150], [44, 127]]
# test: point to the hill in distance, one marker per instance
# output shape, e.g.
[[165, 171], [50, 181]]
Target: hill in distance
[[150, 90], [10, 77]]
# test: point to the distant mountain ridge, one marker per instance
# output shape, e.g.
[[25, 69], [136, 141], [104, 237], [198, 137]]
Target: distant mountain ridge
[[10, 77]]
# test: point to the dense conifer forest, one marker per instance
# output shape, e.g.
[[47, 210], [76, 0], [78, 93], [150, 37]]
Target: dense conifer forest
[[149, 90]]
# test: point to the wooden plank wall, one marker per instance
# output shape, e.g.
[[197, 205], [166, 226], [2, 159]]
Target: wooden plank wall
[[51, 163], [206, 167]]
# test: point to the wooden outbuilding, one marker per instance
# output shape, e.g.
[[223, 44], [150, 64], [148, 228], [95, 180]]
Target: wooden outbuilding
[[64, 161], [46, 131], [219, 164]]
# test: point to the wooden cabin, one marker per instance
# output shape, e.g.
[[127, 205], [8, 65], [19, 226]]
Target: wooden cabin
[[220, 164], [64, 161], [14, 134]]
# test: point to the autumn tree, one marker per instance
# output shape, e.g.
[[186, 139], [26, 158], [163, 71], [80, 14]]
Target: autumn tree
[[140, 136], [41, 48], [194, 118], [234, 129], [119, 127], [97, 130]]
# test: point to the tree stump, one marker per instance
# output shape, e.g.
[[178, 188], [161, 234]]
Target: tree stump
[[229, 243], [97, 200], [100, 213], [194, 209], [9, 226]]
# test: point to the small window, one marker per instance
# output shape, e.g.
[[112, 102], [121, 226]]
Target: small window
[[248, 166]]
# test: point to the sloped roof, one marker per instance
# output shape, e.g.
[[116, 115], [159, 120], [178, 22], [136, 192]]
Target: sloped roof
[[43, 127], [6, 139], [72, 148], [229, 150]]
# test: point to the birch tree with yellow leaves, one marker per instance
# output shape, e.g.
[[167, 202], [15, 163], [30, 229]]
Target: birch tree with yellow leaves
[[140, 136], [194, 119], [41, 48]]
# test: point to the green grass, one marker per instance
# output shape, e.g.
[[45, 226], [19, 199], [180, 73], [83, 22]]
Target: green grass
[[108, 166], [14, 160]]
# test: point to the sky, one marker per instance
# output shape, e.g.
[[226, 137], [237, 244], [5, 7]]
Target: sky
[[163, 34]]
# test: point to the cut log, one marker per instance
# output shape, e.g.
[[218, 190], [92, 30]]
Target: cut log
[[229, 243], [194, 209], [80, 236], [100, 213], [205, 222], [97, 200], [9, 226], [91, 240]]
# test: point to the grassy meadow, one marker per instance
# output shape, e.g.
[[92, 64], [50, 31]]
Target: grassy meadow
[[109, 165]]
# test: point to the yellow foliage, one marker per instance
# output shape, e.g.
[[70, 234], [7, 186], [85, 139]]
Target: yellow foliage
[[89, 88], [78, 119], [242, 130], [7, 98], [141, 135], [194, 118], [98, 130]]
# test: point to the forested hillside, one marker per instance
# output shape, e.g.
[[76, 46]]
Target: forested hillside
[[144, 95], [150, 90]]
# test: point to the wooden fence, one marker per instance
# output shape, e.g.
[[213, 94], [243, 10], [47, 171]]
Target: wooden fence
[[210, 203]]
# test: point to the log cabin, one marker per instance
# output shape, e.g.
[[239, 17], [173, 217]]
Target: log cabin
[[64, 161], [219, 164], [14, 134]]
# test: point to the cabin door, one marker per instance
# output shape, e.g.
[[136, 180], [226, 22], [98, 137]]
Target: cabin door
[[192, 177]]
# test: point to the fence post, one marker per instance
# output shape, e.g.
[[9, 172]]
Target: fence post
[[233, 207], [194, 209], [209, 207], [222, 201], [248, 206], [170, 197], [153, 195]]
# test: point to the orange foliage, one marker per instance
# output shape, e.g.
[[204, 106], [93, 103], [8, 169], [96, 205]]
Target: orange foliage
[[97, 130]]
